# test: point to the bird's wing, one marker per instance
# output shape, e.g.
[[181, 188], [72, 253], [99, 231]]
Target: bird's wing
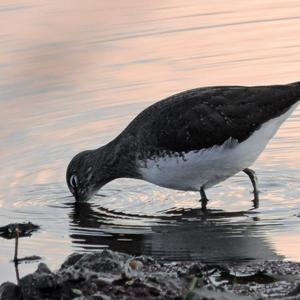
[[204, 117]]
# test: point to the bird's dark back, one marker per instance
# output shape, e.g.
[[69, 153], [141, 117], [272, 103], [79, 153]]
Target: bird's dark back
[[204, 117]]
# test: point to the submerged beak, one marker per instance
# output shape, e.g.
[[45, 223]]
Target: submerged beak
[[76, 195], [79, 197]]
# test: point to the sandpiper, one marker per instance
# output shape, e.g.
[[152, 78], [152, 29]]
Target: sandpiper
[[190, 141]]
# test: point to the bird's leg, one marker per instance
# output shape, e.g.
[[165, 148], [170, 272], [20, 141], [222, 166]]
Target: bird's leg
[[253, 179], [203, 199]]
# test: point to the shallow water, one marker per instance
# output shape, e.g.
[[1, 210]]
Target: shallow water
[[73, 75]]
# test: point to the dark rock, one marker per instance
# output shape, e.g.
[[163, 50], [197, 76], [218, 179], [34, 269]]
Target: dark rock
[[71, 260], [10, 291], [97, 296], [257, 277], [102, 282], [296, 291], [204, 293], [91, 264], [43, 268], [110, 275], [39, 284]]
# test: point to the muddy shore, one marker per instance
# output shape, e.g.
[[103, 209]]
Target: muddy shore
[[113, 275]]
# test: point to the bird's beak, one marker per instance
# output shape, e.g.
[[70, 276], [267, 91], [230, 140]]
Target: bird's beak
[[76, 195], [81, 197]]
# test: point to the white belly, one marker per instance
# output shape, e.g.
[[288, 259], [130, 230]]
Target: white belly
[[210, 166]]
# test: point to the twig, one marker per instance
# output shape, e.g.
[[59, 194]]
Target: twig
[[16, 261], [16, 244], [17, 271]]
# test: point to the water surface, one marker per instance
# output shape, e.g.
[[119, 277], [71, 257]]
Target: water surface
[[73, 75]]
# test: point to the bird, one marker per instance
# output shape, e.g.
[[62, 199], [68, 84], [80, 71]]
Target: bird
[[189, 141]]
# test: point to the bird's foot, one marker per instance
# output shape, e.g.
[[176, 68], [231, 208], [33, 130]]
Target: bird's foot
[[255, 204], [255, 200], [203, 199]]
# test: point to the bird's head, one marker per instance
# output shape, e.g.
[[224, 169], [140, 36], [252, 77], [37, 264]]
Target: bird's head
[[86, 174]]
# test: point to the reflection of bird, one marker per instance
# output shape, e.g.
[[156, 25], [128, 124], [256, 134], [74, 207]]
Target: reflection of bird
[[189, 141], [180, 234]]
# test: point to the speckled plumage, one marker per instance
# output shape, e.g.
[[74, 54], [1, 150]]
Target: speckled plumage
[[204, 117]]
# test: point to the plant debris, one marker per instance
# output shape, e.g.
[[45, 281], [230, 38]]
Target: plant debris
[[24, 230]]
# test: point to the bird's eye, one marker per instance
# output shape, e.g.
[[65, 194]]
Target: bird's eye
[[73, 181]]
